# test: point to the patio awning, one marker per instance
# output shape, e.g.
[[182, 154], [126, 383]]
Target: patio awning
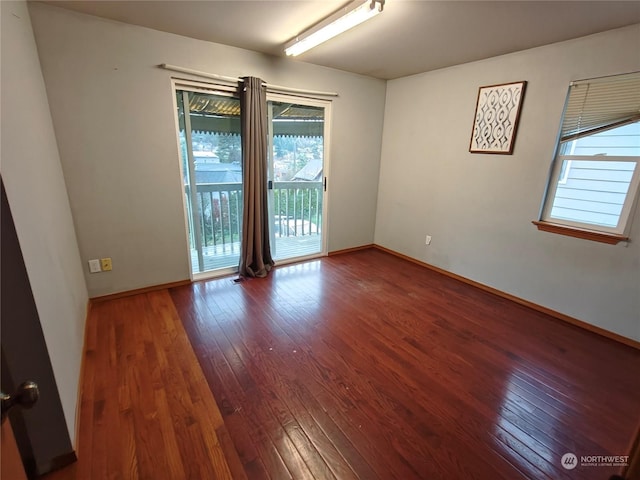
[[222, 116], [231, 126]]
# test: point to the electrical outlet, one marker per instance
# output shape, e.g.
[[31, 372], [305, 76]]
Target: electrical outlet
[[94, 266], [106, 264], [428, 240]]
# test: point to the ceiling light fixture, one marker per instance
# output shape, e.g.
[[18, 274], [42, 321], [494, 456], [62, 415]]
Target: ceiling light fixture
[[340, 21]]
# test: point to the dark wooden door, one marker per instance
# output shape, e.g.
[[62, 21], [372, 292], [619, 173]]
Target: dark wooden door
[[40, 432]]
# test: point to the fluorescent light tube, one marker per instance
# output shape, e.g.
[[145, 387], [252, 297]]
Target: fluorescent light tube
[[339, 22]]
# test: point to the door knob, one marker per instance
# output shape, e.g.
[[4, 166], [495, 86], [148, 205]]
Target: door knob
[[26, 396]]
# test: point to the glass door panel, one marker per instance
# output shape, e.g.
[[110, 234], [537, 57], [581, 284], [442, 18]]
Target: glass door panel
[[297, 176], [210, 149]]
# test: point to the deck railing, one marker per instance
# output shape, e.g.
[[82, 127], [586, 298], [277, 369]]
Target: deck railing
[[296, 206]]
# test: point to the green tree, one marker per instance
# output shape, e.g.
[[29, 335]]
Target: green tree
[[284, 145], [229, 148]]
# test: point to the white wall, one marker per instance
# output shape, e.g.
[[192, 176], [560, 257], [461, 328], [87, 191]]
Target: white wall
[[479, 208], [112, 110], [39, 204]]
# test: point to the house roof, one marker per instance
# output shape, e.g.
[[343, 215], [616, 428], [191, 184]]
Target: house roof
[[218, 173], [312, 171], [215, 172]]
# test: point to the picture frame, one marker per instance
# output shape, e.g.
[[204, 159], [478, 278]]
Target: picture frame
[[496, 118]]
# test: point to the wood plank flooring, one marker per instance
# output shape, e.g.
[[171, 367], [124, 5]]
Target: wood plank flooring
[[367, 366], [146, 411], [361, 365]]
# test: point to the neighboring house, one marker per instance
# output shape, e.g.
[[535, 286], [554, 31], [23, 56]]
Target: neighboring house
[[311, 172], [218, 172], [591, 191]]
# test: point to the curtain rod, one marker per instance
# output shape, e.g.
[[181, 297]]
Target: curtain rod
[[213, 76]]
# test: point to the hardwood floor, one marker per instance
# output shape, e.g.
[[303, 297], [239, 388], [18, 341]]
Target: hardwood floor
[[146, 411], [364, 365], [361, 365]]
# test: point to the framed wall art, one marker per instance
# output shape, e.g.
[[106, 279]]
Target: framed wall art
[[496, 120]]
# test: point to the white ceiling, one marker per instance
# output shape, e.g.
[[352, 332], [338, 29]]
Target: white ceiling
[[411, 36]]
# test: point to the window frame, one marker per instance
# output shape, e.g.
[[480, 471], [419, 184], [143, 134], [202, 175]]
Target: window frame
[[627, 207], [556, 179]]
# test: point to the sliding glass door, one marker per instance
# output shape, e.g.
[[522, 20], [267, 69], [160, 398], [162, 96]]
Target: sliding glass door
[[211, 163], [209, 134], [298, 136]]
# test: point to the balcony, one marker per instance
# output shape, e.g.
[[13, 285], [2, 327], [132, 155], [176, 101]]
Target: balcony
[[295, 229]]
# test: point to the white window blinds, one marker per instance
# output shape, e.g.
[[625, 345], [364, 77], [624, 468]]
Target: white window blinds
[[601, 104]]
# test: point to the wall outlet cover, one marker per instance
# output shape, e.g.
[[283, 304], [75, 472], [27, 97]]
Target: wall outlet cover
[[105, 263], [94, 266]]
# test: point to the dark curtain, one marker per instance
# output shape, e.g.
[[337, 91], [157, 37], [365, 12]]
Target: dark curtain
[[255, 251]]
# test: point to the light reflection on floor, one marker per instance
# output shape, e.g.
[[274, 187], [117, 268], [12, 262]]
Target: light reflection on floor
[[527, 446]]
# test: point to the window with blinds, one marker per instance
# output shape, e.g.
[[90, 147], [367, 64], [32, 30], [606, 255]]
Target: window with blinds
[[595, 176]]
